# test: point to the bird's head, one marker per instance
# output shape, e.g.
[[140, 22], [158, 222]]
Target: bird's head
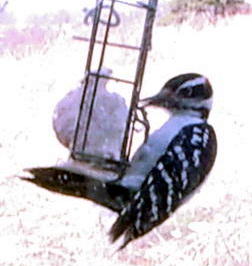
[[187, 92]]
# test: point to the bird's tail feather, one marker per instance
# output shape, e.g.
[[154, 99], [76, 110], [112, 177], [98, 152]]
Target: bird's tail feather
[[119, 227], [66, 182], [123, 226]]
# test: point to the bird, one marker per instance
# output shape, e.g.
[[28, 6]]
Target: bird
[[175, 160], [164, 172]]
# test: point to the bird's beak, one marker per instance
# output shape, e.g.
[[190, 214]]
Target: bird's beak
[[156, 100]]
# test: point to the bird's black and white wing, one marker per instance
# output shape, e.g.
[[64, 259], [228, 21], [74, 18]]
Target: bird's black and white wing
[[184, 166]]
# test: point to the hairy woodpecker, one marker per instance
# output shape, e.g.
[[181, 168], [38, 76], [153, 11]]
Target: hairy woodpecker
[[164, 171], [175, 160]]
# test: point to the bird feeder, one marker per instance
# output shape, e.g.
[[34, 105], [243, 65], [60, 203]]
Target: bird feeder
[[94, 136]]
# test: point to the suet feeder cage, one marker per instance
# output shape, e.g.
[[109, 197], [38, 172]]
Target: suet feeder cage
[[89, 126]]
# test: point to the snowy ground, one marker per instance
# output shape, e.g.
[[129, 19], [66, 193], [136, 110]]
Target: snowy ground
[[43, 228]]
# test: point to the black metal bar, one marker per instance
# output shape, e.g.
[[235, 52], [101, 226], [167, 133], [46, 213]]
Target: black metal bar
[[93, 35], [88, 64], [145, 45], [112, 78], [108, 43], [135, 98], [99, 69]]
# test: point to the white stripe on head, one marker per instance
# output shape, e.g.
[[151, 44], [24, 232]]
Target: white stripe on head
[[207, 103], [193, 82]]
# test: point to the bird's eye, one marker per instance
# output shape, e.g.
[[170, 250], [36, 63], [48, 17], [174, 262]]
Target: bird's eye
[[185, 92]]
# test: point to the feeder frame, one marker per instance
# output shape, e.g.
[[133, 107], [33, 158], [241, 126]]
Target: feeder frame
[[105, 163]]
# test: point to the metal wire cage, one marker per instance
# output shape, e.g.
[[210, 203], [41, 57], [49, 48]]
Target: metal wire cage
[[84, 131]]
